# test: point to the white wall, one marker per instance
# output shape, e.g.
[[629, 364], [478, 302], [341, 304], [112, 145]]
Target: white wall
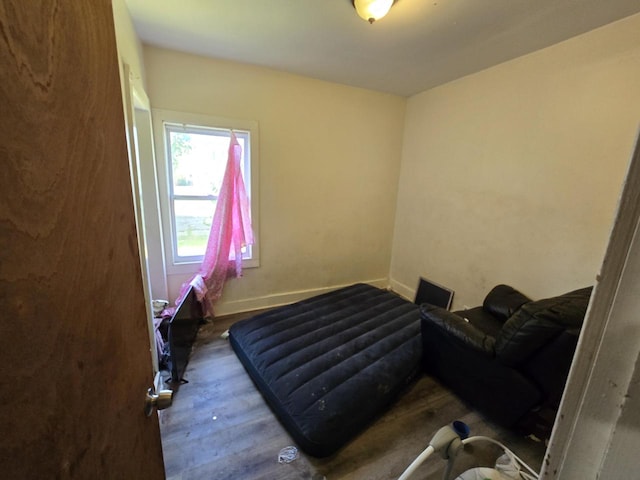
[[142, 155], [129, 46], [329, 166], [512, 175]]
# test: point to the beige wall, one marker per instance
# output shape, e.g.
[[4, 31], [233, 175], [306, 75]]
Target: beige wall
[[329, 167], [512, 175]]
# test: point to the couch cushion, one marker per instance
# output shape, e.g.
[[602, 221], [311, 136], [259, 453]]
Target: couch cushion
[[503, 301], [537, 323], [501, 393], [482, 320]]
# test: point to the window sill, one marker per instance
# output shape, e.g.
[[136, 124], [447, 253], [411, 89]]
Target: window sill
[[191, 268]]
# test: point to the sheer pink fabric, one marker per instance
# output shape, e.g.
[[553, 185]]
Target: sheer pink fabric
[[230, 232]]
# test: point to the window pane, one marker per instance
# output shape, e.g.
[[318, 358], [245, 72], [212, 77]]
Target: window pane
[[193, 222], [198, 162], [195, 150]]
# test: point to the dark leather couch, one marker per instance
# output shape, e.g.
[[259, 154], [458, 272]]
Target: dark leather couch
[[508, 358]]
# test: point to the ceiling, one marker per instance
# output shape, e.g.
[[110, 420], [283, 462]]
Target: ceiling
[[418, 45]]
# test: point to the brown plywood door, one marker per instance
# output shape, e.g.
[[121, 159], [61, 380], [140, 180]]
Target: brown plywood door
[[74, 344]]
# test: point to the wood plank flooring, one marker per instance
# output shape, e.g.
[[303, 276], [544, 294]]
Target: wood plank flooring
[[219, 427]]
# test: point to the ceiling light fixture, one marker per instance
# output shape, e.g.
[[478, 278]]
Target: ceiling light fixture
[[372, 10]]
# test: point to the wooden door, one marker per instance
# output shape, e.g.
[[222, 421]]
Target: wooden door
[[74, 347]]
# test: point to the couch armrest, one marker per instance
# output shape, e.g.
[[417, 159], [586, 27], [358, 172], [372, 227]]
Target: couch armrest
[[459, 329], [503, 301]]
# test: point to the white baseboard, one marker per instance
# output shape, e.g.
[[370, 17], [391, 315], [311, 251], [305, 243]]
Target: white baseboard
[[270, 301], [402, 290]]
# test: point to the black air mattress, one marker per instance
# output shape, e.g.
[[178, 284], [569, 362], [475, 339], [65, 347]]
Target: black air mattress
[[330, 364]]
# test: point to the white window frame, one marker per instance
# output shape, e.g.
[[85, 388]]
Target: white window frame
[[170, 127], [192, 122]]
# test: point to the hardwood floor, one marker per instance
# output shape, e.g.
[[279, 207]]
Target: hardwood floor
[[219, 427]]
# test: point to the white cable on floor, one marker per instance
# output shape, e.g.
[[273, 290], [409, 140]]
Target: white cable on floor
[[416, 463]]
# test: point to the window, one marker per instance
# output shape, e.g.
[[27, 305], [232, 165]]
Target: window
[[195, 151], [197, 162]]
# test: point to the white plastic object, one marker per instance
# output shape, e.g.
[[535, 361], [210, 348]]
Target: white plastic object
[[448, 444], [287, 455], [481, 473], [508, 467]]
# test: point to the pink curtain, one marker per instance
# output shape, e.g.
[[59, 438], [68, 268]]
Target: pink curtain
[[230, 232]]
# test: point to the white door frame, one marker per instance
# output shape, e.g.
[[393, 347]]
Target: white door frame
[[591, 434]]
